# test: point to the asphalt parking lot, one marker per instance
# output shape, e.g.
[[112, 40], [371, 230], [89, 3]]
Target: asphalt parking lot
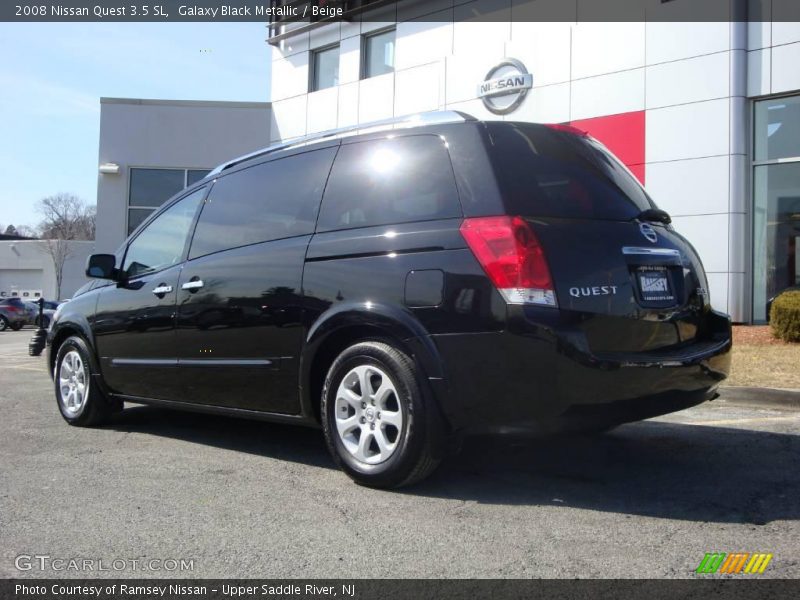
[[247, 499]]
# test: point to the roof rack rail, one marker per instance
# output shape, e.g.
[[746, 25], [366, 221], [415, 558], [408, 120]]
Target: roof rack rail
[[416, 120]]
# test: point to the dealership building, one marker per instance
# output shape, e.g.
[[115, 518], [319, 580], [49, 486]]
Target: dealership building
[[705, 114]]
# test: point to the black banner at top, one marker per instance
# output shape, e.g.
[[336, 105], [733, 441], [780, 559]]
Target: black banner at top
[[312, 11]]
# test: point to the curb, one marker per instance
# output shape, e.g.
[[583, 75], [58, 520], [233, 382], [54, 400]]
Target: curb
[[778, 397]]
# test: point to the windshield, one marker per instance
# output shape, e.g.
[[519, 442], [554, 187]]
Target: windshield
[[551, 173]]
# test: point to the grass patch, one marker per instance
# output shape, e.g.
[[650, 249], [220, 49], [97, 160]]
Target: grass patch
[[759, 360]]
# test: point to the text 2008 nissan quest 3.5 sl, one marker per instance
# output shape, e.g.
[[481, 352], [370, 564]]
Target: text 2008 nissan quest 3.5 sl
[[401, 287]]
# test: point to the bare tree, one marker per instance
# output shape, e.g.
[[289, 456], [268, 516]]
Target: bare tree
[[26, 231], [59, 251], [66, 218]]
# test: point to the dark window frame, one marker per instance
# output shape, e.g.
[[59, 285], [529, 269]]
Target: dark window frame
[[364, 44], [757, 285], [312, 66]]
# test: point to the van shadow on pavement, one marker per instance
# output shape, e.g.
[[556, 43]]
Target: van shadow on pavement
[[652, 468]]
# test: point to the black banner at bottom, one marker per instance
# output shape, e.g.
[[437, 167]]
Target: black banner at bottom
[[395, 589]]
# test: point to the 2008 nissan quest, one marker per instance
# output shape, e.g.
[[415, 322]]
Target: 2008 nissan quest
[[400, 288]]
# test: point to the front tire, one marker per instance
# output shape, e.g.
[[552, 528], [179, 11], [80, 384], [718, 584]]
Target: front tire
[[79, 400], [17, 326], [3, 323], [379, 427]]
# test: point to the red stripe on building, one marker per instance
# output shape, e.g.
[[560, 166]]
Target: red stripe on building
[[623, 134]]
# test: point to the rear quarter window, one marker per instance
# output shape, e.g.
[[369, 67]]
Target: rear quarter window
[[550, 173], [397, 180]]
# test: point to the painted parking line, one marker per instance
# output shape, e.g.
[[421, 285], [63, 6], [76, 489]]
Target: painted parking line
[[21, 368], [745, 420]]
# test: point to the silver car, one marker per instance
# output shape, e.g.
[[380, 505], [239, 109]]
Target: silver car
[[47, 313]]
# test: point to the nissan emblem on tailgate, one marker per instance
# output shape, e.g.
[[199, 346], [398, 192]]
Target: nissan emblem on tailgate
[[648, 232]]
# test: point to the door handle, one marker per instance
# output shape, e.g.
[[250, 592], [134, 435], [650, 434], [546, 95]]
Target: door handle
[[193, 285], [161, 289]]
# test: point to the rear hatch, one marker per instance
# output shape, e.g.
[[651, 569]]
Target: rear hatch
[[619, 271]]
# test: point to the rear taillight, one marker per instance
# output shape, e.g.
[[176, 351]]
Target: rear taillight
[[510, 253], [12, 309]]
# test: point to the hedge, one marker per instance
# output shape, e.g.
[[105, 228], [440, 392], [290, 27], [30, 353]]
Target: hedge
[[784, 317]]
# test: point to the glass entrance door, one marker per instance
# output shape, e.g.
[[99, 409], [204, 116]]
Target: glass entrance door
[[776, 200]]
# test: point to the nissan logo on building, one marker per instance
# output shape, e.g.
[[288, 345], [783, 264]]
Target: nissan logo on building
[[505, 86]]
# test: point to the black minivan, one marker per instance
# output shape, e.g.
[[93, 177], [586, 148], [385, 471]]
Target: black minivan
[[401, 287]]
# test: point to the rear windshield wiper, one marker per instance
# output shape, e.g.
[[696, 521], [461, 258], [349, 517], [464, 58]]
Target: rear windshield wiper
[[655, 214]]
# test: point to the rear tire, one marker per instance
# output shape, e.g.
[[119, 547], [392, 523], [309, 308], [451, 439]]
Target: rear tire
[[17, 326], [379, 427], [79, 400]]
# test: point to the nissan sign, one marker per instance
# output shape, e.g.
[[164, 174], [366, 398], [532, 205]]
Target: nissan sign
[[505, 86]]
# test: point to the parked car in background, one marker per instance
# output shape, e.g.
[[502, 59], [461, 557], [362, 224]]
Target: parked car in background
[[13, 313], [47, 313], [31, 311]]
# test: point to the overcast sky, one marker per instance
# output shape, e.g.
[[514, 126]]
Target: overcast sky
[[52, 76]]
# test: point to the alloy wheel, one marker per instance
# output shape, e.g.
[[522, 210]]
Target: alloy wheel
[[73, 383], [369, 418]]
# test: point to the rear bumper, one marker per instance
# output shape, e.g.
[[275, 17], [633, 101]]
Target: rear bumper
[[539, 376]]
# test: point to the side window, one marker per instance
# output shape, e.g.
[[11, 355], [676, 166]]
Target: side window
[[397, 180], [270, 201], [161, 243]]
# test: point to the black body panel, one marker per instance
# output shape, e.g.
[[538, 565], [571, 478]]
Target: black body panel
[[242, 331], [134, 333], [548, 373]]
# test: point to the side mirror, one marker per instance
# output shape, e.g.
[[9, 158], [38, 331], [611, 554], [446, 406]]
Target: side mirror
[[102, 266]]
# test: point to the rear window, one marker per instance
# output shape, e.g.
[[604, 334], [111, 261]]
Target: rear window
[[398, 180], [550, 173]]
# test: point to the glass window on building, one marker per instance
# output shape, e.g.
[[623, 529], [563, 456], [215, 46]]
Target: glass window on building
[[325, 68], [195, 175], [776, 200], [379, 53], [150, 188]]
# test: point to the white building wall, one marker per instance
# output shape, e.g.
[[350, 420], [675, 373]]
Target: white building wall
[[692, 79], [167, 134], [26, 265]]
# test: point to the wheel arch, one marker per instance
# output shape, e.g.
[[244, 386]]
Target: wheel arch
[[345, 325], [65, 329]]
